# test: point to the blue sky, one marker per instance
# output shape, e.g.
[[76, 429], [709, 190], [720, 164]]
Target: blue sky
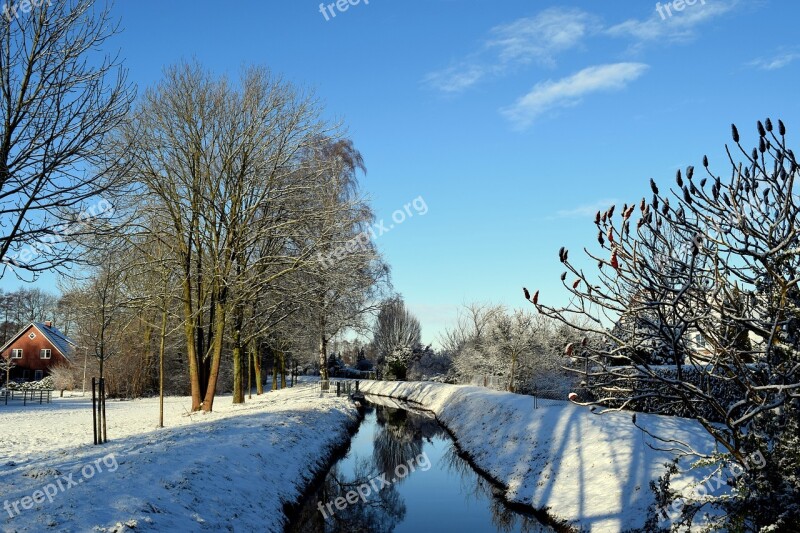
[[514, 120]]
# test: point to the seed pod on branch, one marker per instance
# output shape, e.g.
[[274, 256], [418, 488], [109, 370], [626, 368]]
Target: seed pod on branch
[[653, 186], [781, 128], [690, 172], [597, 219], [735, 133], [769, 124], [576, 283], [679, 179], [761, 131], [526, 293], [569, 349], [563, 276]]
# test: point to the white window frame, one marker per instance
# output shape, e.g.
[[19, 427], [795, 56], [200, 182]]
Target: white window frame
[[16, 353], [45, 353]]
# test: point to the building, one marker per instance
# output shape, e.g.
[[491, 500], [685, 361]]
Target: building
[[35, 349]]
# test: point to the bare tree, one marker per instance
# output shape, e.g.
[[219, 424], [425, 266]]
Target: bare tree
[[224, 166], [706, 280], [6, 366], [58, 109]]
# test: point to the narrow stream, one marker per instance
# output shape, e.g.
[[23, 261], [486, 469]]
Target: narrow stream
[[403, 474]]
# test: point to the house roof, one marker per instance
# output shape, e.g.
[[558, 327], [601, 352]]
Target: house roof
[[60, 342]]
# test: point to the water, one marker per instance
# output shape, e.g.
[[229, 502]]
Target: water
[[408, 470]]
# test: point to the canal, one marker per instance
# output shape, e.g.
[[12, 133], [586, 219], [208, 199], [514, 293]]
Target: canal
[[403, 474]]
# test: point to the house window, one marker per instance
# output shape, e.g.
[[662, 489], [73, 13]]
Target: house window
[[38, 375], [44, 353], [32, 335], [16, 353]]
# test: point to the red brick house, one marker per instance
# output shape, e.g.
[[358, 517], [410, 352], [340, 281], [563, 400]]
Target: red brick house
[[35, 349]]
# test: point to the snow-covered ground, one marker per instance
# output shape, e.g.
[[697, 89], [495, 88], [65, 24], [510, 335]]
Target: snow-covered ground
[[234, 468], [590, 470]]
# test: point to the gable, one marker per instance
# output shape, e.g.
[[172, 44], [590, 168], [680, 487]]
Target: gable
[[60, 343]]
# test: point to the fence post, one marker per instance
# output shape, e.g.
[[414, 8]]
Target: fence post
[[94, 412], [103, 404], [338, 387]]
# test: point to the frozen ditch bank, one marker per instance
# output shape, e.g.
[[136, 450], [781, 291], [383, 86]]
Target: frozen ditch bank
[[588, 470], [235, 468]]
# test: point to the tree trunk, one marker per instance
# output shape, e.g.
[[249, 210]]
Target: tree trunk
[[257, 366], [249, 376], [275, 370], [323, 357], [238, 367], [216, 357], [161, 366], [191, 354], [283, 370]]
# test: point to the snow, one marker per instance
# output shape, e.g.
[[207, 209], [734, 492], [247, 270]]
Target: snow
[[235, 467], [590, 470]]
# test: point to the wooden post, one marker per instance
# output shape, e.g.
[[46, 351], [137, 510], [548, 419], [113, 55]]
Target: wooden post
[[94, 412], [103, 404]]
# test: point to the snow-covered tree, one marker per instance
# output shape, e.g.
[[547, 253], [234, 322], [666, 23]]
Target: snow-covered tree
[[716, 259], [396, 337]]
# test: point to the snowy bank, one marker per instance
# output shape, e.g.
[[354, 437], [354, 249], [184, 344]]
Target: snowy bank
[[235, 467], [592, 471]]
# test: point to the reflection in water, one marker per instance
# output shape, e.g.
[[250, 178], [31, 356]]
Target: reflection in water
[[447, 493]]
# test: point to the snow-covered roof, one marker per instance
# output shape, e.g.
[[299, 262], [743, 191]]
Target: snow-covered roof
[[60, 342]]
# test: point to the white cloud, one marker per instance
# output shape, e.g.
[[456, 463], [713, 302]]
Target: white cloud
[[569, 91], [538, 39], [586, 210], [541, 37], [776, 62], [678, 26]]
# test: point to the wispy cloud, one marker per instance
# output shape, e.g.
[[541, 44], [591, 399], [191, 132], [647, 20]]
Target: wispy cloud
[[538, 39], [569, 91], [586, 210], [678, 27], [778, 61]]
